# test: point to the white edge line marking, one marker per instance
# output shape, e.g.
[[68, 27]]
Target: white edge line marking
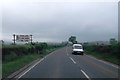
[[72, 60], [35, 64], [108, 63], [31, 68], [85, 74], [103, 61], [49, 54]]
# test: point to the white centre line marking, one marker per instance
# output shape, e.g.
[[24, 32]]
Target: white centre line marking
[[85, 74], [66, 51], [31, 68], [72, 60], [67, 54]]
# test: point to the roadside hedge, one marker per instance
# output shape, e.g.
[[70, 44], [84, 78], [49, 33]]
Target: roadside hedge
[[104, 49], [13, 51]]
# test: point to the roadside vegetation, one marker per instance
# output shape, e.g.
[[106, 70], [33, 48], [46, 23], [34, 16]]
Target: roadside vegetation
[[110, 53], [15, 57]]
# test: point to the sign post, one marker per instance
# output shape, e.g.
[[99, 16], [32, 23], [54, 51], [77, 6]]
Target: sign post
[[31, 39], [22, 38], [14, 39]]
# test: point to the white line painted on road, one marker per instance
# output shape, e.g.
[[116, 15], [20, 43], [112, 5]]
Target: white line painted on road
[[108, 63], [66, 51], [35, 64], [72, 60], [49, 54], [67, 54], [30, 68], [103, 61], [85, 74]]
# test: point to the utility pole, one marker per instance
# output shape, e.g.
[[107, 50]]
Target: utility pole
[[14, 38]]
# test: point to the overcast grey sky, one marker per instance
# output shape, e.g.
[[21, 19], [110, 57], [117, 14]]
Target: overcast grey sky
[[58, 20]]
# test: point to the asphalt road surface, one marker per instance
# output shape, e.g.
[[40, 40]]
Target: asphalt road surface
[[63, 64]]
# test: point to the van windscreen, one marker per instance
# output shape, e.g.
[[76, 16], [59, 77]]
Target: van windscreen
[[78, 47]]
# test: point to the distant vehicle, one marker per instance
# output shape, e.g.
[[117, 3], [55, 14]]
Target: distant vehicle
[[77, 49]]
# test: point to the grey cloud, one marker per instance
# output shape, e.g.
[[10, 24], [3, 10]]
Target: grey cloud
[[58, 21]]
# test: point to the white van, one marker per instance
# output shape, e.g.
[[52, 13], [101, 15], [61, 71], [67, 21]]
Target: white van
[[78, 49]]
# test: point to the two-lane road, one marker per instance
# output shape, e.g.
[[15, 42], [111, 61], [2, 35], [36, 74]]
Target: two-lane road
[[63, 64]]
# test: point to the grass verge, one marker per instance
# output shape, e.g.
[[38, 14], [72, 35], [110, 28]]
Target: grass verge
[[20, 61], [105, 57], [9, 67]]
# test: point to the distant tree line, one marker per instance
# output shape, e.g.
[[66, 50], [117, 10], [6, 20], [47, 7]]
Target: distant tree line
[[72, 39]]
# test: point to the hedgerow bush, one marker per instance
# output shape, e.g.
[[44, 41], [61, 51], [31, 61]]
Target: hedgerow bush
[[104, 49], [11, 52], [40, 48]]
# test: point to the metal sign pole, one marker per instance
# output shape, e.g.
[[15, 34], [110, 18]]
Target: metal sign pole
[[31, 39], [14, 38]]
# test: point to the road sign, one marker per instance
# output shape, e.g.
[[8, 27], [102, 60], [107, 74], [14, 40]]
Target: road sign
[[23, 38]]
